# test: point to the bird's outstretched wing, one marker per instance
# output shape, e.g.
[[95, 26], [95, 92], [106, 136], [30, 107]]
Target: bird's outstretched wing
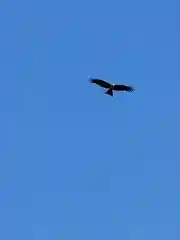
[[118, 87], [101, 83]]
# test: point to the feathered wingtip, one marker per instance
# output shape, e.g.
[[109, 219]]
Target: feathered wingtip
[[90, 79], [132, 89]]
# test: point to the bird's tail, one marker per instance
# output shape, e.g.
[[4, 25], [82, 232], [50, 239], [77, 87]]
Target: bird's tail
[[109, 92]]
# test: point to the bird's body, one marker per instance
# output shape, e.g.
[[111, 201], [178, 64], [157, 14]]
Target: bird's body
[[111, 87]]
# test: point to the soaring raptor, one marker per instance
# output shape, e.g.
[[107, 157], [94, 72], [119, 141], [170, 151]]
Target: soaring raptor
[[111, 87]]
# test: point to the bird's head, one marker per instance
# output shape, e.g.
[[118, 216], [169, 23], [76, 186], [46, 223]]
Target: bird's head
[[113, 86]]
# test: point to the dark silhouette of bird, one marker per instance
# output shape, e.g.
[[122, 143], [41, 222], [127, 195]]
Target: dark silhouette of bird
[[111, 87]]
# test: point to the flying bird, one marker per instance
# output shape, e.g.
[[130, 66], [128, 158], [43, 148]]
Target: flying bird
[[111, 87]]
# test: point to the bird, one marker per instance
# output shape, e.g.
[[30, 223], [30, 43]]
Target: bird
[[111, 87]]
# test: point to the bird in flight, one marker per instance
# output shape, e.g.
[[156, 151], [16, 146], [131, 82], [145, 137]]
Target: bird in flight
[[111, 87]]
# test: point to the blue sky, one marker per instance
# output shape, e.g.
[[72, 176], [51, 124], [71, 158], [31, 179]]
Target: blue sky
[[74, 162]]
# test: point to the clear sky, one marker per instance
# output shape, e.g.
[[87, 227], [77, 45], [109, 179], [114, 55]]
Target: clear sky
[[76, 163]]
